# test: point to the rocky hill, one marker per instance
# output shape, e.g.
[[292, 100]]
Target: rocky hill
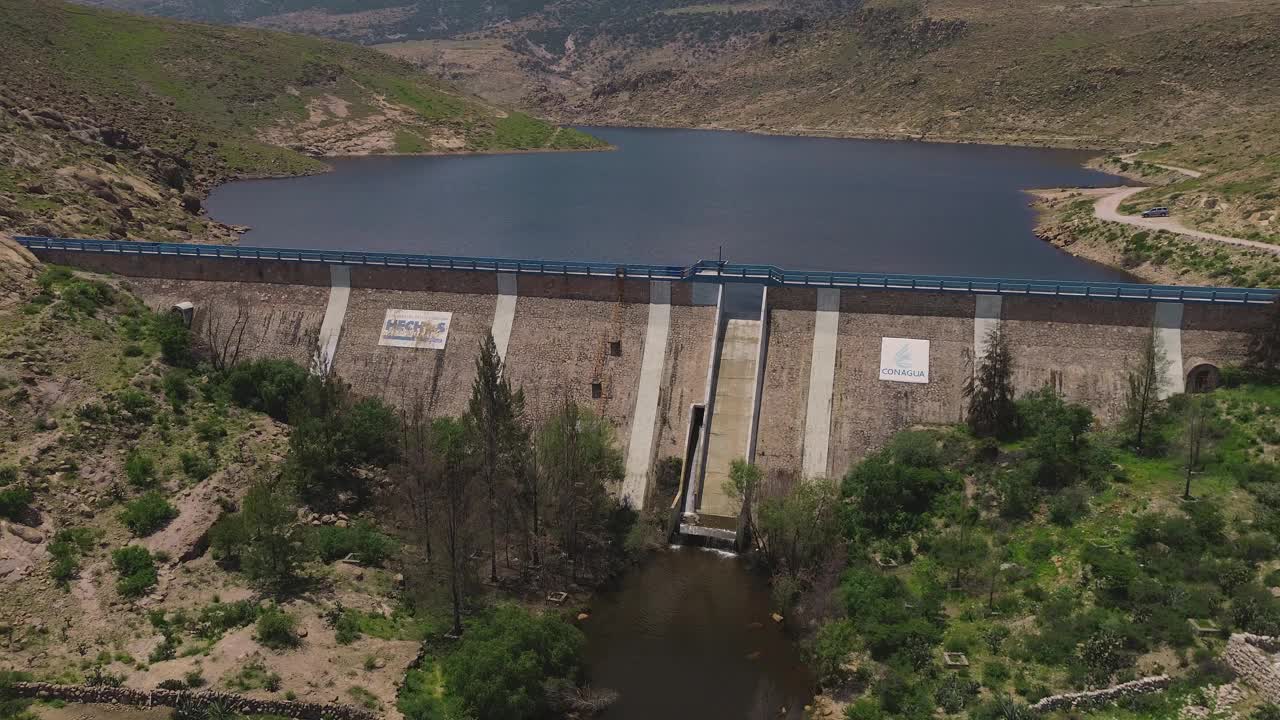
[[115, 125]]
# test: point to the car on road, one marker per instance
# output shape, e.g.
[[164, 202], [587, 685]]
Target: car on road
[[1156, 212]]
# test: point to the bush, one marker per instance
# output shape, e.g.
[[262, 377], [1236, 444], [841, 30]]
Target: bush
[[361, 539], [1069, 506], [277, 629], [12, 706], [171, 333], [217, 618], [481, 672], [137, 571], [995, 674], [65, 549], [346, 628], [864, 709], [136, 404], [177, 388], [86, 296], [262, 538], [269, 386], [140, 469], [147, 514], [196, 466], [955, 692], [14, 502], [831, 647]]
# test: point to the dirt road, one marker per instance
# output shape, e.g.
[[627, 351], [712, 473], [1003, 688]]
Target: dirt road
[[1108, 204]]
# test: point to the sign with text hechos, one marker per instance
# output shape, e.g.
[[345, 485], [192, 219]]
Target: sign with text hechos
[[904, 360], [415, 329]]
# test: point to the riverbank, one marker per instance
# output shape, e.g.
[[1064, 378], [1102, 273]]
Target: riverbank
[[1068, 220]]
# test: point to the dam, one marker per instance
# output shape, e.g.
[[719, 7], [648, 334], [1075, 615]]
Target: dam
[[824, 370]]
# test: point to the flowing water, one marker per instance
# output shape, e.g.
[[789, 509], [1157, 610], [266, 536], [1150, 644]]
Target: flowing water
[[688, 634], [675, 196]]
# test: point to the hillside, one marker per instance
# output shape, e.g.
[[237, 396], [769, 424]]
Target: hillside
[[115, 124], [1192, 82]]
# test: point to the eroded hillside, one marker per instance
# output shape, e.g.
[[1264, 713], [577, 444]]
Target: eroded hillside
[[116, 125]]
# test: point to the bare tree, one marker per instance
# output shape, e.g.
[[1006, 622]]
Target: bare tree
[[1194, 438], [224, 334], [414, 469], [1144, 401]]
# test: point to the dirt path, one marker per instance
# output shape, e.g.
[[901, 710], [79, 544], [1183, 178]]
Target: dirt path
[[1171, 168], [1108, 204]]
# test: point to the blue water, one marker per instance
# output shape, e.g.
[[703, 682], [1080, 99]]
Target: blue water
[[674, 196]]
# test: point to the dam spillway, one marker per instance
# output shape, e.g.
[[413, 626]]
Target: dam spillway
[[830, 366]]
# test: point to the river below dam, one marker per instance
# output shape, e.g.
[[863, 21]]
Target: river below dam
[[688, 634], [674, 196]]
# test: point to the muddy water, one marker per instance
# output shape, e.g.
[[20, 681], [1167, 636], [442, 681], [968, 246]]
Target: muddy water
[[688, 635]]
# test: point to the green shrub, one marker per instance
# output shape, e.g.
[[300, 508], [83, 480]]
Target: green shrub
[[194, 679], [954, 693], [136, 570], [482, 675], [218, 617], [1069, 506], [14, 502], [268, 386], [254, 676], [277, 629], [830, 649], [360, 539], [864, 709], [140, 469], [995, 674], [346, 628], [66, 548], [177, 388], [147, 514], [195, 465], [86, 296], [171, 333], [136, 404]]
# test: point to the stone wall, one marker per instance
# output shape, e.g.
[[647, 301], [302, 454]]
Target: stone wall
[[866, 410], [784, 397], [280, 321], [1083, 348], [441, 378], [684, 375], [1105, 696], [1253, 658], [171, 698]]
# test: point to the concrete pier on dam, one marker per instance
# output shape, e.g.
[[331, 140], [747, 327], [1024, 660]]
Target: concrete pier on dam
[[830, 366]]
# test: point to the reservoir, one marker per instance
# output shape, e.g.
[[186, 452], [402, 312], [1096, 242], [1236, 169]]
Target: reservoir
[[675, 196], [688, 634]]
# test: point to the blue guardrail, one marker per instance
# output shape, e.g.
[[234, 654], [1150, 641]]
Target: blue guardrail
[[701, 271]]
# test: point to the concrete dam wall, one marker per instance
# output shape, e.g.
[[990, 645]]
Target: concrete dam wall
[[822, 376]]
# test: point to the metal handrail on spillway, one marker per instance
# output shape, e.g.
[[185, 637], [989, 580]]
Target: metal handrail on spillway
[[701, 271]]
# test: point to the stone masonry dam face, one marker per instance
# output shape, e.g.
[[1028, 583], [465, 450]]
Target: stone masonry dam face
[[642, 353]]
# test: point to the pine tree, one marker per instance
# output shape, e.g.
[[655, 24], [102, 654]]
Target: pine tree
[[495, 428], [992, 412]]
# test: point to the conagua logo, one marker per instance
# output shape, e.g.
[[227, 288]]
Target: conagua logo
[[902, 358]]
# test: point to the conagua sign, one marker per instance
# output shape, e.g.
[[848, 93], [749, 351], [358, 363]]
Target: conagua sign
[[904, 360], [415, 329]]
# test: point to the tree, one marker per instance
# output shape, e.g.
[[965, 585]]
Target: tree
[[992, 412], [1143, 403], [412, 471], [893, 490], [336, 438], [960, 549], [1264, 341], [224, 335], [578, 454], [502, 668], [1195, 433], [494, 421], [449, 474], [262, 538], [801, 526]]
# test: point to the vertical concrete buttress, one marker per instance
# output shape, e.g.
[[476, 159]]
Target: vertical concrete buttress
[[644, 421], [1168, 330], [504, 313], [334, 314], [822, 378], [986, 317]]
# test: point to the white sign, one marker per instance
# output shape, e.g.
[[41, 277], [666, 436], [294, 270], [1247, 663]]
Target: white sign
[[415, 329], [904, 360]]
